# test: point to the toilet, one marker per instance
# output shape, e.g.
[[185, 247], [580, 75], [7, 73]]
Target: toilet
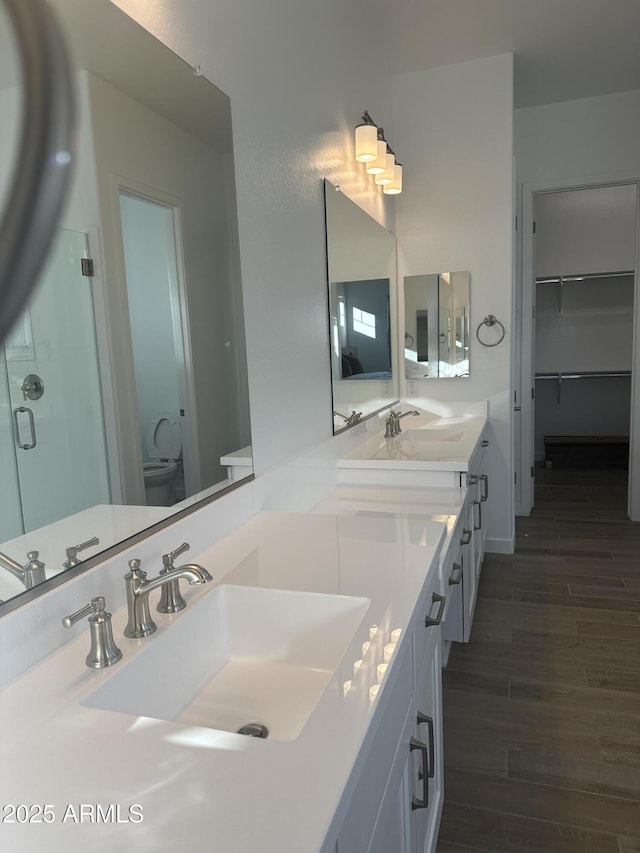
[[164, 446]]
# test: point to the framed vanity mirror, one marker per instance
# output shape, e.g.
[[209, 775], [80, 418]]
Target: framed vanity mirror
[[361, 269], [436, 325], [123, 387]]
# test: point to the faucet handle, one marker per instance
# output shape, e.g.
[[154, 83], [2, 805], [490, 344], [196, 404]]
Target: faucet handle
[[34, 572], [171, 599], [103, 651], [72, 552], [167, 559]]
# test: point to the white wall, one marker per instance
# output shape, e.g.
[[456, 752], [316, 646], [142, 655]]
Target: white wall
[[586, 231], [453, 126], [299, 77], [589, 137]]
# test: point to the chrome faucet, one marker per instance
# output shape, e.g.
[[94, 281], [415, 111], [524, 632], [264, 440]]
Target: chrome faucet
[[350, 420], [140, 624], [392, 423], [31, 574]]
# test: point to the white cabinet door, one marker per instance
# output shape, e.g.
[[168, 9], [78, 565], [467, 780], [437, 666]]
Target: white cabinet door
[[392, 831], [428, 728], [379, 767], [469, 575]]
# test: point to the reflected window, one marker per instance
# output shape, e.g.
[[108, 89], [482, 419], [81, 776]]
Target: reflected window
[[364, 322]]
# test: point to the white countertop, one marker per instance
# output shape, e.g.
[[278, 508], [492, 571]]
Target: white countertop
[[427, 443], [198, 788]]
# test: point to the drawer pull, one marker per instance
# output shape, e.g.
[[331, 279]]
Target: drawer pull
[[457, 567], [466, 536], [428, 622], [422, 718], [414, 744], [473, 479], [478, 526], [484, 479], [485, 443]]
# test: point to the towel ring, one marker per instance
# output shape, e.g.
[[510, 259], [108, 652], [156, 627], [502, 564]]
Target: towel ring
[[490, 320]]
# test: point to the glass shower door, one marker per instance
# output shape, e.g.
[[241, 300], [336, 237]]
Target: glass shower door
[[54, 399]]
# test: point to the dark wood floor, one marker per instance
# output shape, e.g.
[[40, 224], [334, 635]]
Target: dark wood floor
[[542, 708]]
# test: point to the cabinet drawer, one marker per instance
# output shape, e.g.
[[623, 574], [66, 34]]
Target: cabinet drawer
[[373, 766], [431, 610]]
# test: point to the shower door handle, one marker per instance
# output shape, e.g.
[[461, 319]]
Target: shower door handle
[[32, 427]]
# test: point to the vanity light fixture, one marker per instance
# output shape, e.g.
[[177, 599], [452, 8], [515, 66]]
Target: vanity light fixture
[[374, 151], [366, 139], [395, 187], [379, 165]]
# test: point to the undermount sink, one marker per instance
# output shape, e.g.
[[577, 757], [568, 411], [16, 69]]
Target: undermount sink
[[432, 434], [240, 655]]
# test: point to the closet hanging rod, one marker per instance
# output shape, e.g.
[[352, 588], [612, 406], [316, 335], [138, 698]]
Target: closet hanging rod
[[559, 279], [586, 374]]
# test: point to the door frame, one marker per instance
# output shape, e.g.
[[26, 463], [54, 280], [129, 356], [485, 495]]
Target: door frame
[[527, 339], [126, 405]]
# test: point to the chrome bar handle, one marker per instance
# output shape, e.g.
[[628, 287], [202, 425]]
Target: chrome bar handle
[[103, 651], [416, 803], [457, 567], [484, 478], [478, 526], [472, 479], [437, 619], [32, 427], [70, 621], [168, 559], [422, 718], [72, 552], [466, 536], [39, 186]]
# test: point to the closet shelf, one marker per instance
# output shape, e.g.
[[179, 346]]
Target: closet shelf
[[582, 374], [587, 276]]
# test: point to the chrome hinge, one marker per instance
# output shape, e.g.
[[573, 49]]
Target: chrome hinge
[[86, 265]]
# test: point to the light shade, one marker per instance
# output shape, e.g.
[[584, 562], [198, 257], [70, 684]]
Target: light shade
[[387, 176], [379, 165], [395, 187], [366, 142]]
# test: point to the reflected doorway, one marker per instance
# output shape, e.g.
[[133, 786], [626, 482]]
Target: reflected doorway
[[157, 312]]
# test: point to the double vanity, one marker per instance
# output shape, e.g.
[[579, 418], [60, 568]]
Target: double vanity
[[295, 703]]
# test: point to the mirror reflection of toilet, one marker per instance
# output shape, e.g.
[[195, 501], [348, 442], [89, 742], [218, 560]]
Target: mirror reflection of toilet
[[164, 447]]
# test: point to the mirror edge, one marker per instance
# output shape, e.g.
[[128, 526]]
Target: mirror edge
[[22, 598]]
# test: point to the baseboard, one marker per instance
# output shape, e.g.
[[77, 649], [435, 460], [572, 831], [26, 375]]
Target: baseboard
[[499, 546]]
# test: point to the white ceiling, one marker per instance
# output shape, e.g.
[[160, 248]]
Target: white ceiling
[[564, 49]]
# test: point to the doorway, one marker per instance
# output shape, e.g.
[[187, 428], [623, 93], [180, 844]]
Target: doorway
[[579, 290], [153, 269]]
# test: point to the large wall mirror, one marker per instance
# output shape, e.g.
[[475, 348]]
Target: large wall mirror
[[361, 265], [123, 387], [436, 325]]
